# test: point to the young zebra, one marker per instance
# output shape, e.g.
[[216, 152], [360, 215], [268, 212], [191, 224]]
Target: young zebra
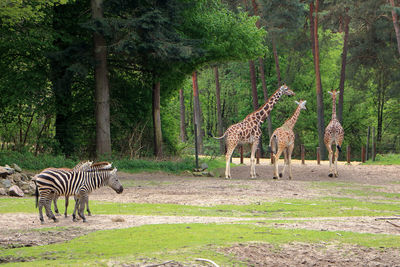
[[60, 182]]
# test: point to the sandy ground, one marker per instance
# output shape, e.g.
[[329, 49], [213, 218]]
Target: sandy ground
[[18, 229]]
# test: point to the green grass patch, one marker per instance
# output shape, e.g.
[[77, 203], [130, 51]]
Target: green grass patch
[[385, 159], [180, 242], [325, 207]]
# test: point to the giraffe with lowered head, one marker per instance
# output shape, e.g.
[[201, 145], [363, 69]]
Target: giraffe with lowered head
[[334, 133], [249, 130], [282, 140]]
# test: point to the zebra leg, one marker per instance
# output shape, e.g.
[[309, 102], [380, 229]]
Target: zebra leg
[[76, 207], [55, 205], [47, 206], [81, 210], [41, 202], [87, 207], [66, 206]]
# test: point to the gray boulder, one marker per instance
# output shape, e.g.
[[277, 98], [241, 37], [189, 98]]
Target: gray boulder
[[15, 191], [16, 167], [3, 192], [6, 183]]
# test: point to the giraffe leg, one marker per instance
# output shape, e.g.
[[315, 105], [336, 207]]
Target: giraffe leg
[[337, 156], [254, 147], [230, 148], [330, 155], [281, 174], [290, 150], [276, 159]]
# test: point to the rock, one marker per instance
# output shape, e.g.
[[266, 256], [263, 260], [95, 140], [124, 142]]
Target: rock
[[197, 173], [16, 167], [3, 192], [204, 166], [15, 191], [6, 183], [24, 177], [3, 172]]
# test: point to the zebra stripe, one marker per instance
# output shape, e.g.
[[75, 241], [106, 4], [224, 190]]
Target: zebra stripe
[[53, 182]]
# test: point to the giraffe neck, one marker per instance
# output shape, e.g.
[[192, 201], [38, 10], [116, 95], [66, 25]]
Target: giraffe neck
[[292, 120], [262, 113], [334, 107]]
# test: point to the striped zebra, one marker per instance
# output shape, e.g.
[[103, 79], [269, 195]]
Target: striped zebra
[[60, 182], [81, 166]]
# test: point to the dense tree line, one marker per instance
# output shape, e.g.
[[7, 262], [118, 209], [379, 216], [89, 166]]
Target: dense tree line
[[88, 78]]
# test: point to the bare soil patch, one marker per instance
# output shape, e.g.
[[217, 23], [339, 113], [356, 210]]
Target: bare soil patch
[[19, 229]]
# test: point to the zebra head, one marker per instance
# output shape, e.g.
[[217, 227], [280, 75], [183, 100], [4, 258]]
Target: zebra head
[[114, 183]]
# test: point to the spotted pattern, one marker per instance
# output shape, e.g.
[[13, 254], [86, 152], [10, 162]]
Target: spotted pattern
[[334, 134], [282, 140], [248, 131]]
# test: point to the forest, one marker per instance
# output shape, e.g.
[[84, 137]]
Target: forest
[[130, 78]]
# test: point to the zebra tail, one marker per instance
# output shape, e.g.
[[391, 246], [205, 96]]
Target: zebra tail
[[36, 194]]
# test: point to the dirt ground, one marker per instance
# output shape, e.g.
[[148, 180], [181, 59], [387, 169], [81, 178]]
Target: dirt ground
[[19, 229]]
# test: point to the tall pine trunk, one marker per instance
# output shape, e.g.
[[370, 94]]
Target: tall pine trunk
[[197, 112], [157, 120], [343, 69], [219, 114], [320, 99], [182, 113], [102, 94], [254, 94], [265, 92], [396, 24]]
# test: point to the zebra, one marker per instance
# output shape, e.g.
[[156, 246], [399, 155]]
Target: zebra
[[60, 182], [81, 166]]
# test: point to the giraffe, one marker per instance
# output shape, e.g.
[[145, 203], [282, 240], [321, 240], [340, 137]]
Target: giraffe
[[282, 140], [249, 130], [334, 133]]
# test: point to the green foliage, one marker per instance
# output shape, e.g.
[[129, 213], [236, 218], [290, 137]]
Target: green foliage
[[27, 160]]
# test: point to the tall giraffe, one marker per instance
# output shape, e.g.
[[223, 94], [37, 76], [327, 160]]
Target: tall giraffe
[[334, 133], [249, 130], [282, 140]]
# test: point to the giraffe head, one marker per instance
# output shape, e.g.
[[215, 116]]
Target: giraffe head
[[285, 90], [302, 104], [333, 93]]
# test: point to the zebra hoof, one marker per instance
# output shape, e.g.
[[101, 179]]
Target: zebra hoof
[[330, 175], [84, 220], [280, 175], [55, 220], [89, 214]]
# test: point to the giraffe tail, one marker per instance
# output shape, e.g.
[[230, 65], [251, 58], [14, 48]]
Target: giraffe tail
[[274, 144], [219, 137], [339, 148]]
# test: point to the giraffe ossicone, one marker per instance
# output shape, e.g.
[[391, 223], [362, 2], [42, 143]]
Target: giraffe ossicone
[[248, 131], [282, 141]]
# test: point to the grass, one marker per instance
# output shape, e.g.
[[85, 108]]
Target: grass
[[323, 207], [385, 159], [180, 242]]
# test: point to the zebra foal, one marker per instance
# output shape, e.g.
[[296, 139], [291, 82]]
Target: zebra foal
[[54, 182]]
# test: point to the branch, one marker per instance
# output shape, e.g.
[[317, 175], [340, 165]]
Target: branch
[[393, 224], [154, 265], [209, 261]]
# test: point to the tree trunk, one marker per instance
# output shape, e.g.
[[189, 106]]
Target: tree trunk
[[197, 112], [320, 99], [182, 109], [157, 120], [219, 114], [102, 94], [343, 69], [61, 85], [254, 94], [278, 70], [265, 92], [396, 24]]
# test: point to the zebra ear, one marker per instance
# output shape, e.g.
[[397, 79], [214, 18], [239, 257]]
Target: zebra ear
[[114, 171]]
